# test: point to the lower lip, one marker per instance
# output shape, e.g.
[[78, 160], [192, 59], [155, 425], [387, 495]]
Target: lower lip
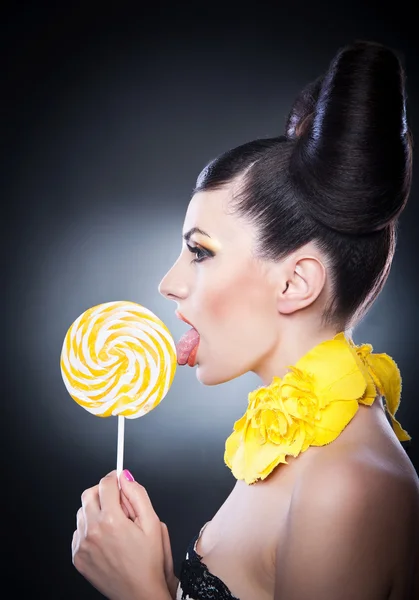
[[192, 356]]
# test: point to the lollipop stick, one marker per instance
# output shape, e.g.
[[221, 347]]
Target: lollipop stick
[[120, 450]]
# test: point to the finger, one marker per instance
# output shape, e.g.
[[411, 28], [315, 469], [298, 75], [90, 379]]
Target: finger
[[90, 503], [109, 493], [74, 542], [138, 497], [167, 551], [126, 513], [80, 521], [126, 505]]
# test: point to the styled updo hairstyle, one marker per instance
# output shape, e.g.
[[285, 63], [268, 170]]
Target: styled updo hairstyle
[[340, 176]]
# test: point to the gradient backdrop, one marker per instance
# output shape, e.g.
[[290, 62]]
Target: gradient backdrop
[[108, 119]]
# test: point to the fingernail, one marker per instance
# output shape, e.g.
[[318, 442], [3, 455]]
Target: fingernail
[[128, 475]]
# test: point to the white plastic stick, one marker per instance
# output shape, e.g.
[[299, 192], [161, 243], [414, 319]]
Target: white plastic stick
[[120, 450]]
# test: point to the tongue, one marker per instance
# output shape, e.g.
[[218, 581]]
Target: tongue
[[185, 345]]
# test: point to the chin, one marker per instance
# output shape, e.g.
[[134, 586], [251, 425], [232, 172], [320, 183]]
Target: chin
[[208, 376]]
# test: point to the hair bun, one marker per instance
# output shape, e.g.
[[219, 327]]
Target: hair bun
[[303, 110], [351, 164]]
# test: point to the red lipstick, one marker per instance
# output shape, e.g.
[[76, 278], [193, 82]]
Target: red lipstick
[[182, 318]]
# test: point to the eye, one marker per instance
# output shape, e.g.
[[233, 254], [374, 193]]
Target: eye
[[201, 253]]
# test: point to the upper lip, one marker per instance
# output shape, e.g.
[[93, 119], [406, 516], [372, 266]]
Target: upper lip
[[182, 318]]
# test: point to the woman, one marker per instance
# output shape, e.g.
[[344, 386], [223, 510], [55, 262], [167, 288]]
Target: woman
[[289, 241]]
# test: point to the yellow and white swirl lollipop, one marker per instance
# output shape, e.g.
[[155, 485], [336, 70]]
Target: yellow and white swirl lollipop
[[119, 359]]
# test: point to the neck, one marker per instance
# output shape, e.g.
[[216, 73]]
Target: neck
[[332, 384], [288, 350]]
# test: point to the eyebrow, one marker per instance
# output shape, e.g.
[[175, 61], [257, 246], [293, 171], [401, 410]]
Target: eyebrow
[[187, 235]]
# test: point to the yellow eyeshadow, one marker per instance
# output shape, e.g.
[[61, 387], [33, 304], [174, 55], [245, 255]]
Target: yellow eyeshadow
[[209, 243]]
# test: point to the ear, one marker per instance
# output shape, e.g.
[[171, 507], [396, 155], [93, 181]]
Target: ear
[[302, 280]]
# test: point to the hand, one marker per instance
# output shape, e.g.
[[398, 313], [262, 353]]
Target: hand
[[171, 579], [123, 559]]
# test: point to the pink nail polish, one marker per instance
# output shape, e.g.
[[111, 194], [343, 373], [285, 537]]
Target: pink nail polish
[[128, 475]]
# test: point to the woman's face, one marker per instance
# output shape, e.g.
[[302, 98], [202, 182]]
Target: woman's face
[[227, 296]]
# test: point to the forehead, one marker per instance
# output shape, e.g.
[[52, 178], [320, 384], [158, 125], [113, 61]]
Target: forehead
[[211, 212], [209, 206]]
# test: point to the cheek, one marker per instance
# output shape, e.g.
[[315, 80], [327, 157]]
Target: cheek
[[238, 298], [219, 303]]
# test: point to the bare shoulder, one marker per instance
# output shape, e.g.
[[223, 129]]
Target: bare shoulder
[[353, 528], [371, 475], [367, 486]]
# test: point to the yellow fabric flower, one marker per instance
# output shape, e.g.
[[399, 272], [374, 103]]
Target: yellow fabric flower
[[311, 405]]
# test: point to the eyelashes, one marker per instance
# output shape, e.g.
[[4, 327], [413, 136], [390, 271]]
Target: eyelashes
[[201, 253]]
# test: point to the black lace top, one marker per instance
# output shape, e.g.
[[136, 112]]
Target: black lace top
[[196, 582]]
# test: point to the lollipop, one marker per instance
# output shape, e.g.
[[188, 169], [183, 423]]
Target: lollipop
[[118, 359]]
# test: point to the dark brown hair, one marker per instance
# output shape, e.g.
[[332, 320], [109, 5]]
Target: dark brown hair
[[339, 176]]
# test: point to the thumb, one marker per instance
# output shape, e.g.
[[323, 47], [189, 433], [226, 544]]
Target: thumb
[[167, 550], [136, 494], [126, 507]]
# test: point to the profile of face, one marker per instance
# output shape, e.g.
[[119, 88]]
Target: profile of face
[[235, 301]]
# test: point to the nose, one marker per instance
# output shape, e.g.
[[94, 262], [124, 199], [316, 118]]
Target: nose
[[173, 286]]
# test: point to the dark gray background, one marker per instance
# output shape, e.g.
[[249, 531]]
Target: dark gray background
[[108, 118]]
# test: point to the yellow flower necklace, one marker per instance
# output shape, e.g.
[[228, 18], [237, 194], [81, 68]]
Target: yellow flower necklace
[[311, 405]]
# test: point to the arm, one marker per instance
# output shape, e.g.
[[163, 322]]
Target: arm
[[172, 585], [336, 543], [162, 595], [171, 580]]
